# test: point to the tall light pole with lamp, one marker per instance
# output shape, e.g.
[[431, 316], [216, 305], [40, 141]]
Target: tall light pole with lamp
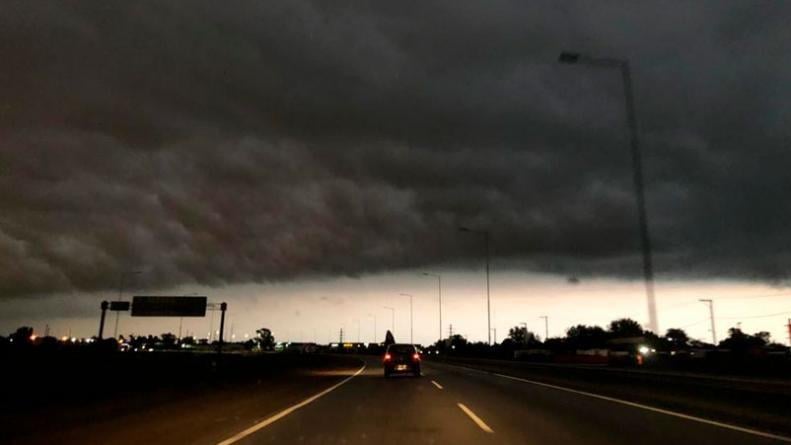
[[637, 168]]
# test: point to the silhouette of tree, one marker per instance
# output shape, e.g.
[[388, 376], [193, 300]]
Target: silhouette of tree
[[625, 327], [740, 342], [264, 339], [389, 339], [458, 340], [168, 340], [447, 344], [555, 344], [676, 338], [22, 335], [520, 335], [764, 336], [586, 337]]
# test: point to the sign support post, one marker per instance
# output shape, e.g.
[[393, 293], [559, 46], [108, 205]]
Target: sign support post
[[101, 321], [223, 307]]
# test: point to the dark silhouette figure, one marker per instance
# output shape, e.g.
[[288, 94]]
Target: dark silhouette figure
[[389, 339]]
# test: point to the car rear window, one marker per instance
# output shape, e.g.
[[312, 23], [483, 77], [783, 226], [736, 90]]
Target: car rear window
[[402, 349]]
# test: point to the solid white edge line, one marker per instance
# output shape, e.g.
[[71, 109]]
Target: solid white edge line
[[481, 424], [436, 384], [239, 436], [639, 405]]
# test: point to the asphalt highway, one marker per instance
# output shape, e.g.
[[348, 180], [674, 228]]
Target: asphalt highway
[[355, 404], [450, 405]]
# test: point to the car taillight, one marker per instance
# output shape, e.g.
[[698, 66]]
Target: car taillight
[[416, 357], [387, 357]]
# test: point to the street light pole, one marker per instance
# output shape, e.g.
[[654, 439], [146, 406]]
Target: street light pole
[[411, 326], [546, 326], [485, 234], [439, 292], [637, 169]]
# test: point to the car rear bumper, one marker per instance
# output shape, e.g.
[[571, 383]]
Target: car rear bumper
[[406, 368]]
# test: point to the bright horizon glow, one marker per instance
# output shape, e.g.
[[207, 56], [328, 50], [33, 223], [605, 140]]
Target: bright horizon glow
[[316, 310]]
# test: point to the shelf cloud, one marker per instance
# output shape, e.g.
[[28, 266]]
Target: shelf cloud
[[219, 143]]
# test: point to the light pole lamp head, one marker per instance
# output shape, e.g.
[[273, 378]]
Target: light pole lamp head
[[569, 57]]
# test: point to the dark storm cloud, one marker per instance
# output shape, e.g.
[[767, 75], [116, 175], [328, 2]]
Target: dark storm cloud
[[257, 141]]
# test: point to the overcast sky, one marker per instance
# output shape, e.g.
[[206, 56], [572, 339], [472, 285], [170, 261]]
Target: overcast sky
[[265, 144]]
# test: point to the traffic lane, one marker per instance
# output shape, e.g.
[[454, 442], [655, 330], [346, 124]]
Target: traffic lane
[[370, 409], [203, 418], [521, 413], [757, 404]]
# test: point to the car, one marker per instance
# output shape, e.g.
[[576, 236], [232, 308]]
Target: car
[[401, 358]]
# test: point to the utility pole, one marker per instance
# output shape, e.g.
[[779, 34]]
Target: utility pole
[[710, 302], [341, 336], [357, 320], [546, 326], [450, 330], [789, 331]]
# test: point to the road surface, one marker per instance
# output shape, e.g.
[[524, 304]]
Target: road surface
[[355, 404], [457, 406]]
